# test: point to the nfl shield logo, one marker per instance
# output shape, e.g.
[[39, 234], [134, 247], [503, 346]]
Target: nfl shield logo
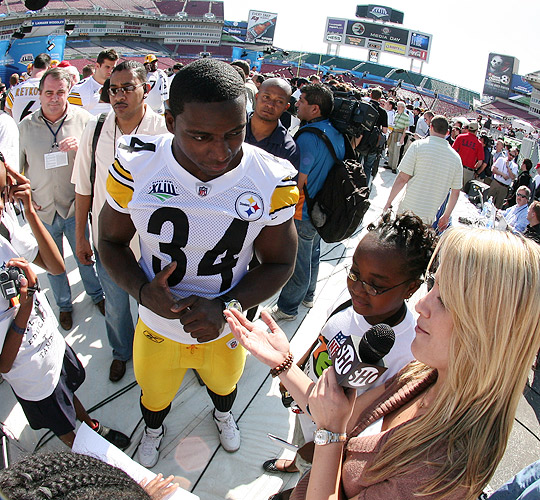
[[203, 190]]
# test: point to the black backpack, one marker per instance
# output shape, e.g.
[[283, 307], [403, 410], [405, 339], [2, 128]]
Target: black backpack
[[338, 208]]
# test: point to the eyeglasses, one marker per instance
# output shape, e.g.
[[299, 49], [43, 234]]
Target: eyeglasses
[[370, 289], [125, 89], [519, 195]]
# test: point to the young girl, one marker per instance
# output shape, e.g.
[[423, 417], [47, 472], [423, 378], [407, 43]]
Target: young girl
[[41, 368], [387, 269]]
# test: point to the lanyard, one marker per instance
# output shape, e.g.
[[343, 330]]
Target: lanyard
[[55, 134]]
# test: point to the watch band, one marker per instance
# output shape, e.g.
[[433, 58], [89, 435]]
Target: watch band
[[323, 436]]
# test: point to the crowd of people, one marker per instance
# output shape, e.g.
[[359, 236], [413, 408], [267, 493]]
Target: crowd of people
[[153, 161]]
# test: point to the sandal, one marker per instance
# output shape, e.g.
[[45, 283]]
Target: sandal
[[270, 466]]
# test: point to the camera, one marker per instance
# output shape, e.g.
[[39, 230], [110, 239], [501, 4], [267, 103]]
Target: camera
[[352, 117], [10, 281]]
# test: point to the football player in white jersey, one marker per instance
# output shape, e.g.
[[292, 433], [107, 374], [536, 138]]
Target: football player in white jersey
[[87, 92], [23, 99], [201, 202], [159, 85]]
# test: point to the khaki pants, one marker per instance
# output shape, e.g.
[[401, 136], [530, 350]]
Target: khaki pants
[[393, 149]]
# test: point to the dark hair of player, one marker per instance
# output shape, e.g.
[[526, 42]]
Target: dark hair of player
[[110, 54], [42, 61], [205, 80]]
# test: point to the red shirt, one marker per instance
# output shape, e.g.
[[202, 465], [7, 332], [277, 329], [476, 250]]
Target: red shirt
[[470, 148]]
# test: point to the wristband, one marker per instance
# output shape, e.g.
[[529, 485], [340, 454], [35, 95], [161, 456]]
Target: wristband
[[283, 367], [17, 329], [140, 292]]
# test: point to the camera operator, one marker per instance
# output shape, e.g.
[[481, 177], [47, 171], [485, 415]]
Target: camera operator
[[370, 147]]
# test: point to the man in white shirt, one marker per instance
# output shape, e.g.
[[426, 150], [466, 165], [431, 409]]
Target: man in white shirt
[[504, 172], [87, 92], [129, 115], [23, 99], [159, 85]]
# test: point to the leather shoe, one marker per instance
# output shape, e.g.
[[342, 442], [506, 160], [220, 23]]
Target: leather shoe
[[66, 320], [119, 439], [117, 370], [101, 306], [271, 465]]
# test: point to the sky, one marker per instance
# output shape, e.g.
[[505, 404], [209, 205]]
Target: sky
[[464, 32]]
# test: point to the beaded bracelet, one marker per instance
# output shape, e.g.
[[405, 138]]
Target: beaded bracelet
[[17, 329], [283, 367], [140, 292]]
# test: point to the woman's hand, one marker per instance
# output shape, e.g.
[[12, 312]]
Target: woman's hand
[[159, 487], [271, 348], [330, 405]]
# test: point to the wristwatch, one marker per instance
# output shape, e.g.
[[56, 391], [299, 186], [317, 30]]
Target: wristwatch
[[322, 436], [230, 303]]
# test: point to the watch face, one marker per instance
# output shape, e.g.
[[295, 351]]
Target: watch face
[[234, 304], [322, 436]]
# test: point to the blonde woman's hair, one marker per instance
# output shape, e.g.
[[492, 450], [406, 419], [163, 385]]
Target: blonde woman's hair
[[490, 283]]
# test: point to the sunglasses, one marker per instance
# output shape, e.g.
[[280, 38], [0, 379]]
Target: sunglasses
[[519, 195], [126, 89]]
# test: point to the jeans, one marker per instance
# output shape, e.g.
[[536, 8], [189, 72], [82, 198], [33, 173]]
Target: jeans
[[60, 283], [525, 485], [118, 320], [302, 284], [369, 161]]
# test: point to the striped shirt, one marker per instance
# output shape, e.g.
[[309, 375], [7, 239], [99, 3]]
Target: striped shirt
[[435, 168], [401, 122]]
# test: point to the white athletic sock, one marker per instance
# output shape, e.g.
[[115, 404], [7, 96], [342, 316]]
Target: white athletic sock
[[154, 432], [221, 415]]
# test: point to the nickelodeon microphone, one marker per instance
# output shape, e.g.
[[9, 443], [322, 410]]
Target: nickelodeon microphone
[[358, 361]]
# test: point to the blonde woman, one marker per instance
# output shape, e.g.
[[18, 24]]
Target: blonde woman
[[438, 429]]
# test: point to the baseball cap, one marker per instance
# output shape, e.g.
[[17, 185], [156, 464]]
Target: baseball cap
[[472, 126], [150, 58]]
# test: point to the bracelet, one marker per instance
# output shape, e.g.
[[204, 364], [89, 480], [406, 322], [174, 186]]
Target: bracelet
[[283, 367], [140, 291], [17, 329]]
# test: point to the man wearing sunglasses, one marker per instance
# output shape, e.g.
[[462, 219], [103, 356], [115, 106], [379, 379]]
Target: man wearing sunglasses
[[127, 92], [504, 171], [516, 216]]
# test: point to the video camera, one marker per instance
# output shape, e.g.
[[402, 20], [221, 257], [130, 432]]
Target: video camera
[[352, 117], [10, 281]]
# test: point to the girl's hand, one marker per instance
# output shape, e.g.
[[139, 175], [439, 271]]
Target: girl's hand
[[29, 281], [330, 404], [159, 487], [19, 189], [271, 348]]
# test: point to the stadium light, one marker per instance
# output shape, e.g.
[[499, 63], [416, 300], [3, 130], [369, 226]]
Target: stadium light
[[50, 46], [35, 4]]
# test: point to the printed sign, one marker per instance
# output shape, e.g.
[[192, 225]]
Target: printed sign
[[261, 27]]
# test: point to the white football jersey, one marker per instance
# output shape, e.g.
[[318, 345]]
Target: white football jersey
[[208, 228], [23, 99], [86, 94], [159, 90]]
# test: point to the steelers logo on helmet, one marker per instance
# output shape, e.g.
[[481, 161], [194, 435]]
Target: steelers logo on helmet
[[249, 206]]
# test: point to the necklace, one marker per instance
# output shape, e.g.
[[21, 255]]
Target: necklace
[[116, 126]]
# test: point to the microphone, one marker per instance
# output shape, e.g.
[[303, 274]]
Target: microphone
[[358, 362]]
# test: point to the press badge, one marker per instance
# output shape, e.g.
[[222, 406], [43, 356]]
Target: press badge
[[55, 159]]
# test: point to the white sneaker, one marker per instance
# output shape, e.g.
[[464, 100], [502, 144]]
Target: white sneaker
[[307, 303], [279, 315], [229, 434], [149, 446]]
